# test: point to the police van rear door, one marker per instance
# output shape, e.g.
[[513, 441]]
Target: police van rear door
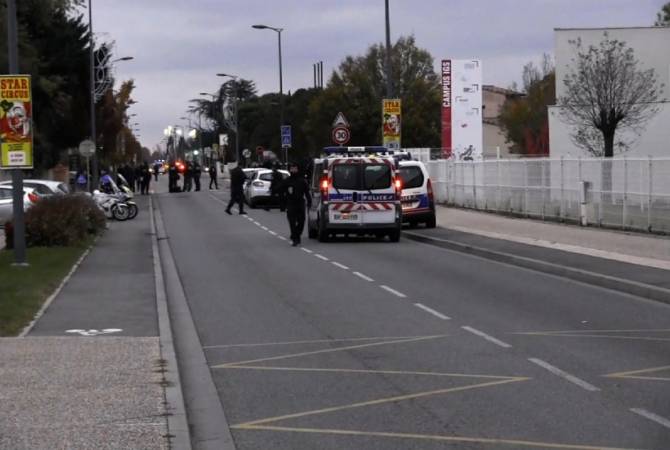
[[378, 197], [345, 183]]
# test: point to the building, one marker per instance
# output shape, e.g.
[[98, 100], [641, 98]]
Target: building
[[494, 136], [651, 46]]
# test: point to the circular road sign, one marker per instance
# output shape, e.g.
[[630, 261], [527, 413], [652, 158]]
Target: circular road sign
[[86, 148], [341, 135], [246, 153]]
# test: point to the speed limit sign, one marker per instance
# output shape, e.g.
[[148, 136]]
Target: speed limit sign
[[341, 135]]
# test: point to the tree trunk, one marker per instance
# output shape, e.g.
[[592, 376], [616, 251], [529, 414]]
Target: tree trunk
[[608, 137]]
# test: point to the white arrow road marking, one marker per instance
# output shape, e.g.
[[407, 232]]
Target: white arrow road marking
[[94, 332]]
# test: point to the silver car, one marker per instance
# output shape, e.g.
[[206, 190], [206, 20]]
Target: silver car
[[43, 187], [30, 197]]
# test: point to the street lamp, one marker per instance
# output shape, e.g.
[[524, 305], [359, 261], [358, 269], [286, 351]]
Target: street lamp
[[281, 82], [236, 122]]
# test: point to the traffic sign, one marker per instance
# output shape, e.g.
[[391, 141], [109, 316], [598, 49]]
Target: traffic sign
[[340, 121], [86, 148], [286, 136], [341, 135], [246, 153]]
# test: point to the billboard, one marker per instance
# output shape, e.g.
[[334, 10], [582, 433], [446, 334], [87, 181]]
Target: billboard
[[16, 131], [391, 122], [462, 129]]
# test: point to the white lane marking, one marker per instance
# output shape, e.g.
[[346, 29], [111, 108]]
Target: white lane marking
[[306, 250], [272, 232], [282, 238], [571, 378], [341, 266], [321, 257], [365, 277], [651, 416], [432, 311], [265, 228], [94, 332], [256, 223], [487, 337], [393, 291]]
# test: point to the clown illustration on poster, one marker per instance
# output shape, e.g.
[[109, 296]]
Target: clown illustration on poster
[[391, 123], [16, 137]]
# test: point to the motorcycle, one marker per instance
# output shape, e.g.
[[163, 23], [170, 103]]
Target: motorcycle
[[111, 206], [125, 194]]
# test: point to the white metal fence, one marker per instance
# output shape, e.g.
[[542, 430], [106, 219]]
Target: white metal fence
[[628, 193]]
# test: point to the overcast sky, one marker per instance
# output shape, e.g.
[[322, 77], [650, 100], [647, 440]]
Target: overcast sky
[[179, 46]]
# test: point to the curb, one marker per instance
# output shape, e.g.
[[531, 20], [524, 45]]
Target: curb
[[210, 429], [28, 328], [178, 432], [606, 281]]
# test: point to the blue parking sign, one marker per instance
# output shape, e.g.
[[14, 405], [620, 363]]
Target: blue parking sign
[[286, 136]]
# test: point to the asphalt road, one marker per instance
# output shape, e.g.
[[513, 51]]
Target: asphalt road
[[360, 344]]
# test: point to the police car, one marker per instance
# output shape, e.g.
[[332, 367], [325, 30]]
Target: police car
[[418, 203], [355, 190]]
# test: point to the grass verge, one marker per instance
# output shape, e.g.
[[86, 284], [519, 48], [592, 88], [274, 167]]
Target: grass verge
[[23, 290]]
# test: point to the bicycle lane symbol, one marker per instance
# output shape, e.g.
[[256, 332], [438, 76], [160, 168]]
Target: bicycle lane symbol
[[94, 332]]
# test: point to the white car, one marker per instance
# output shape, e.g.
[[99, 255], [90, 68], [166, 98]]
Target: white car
[[418, 203], [30, 197], [257, 189], [43, 187]]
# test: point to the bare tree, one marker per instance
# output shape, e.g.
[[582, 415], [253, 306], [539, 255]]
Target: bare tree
[[606, 92], [663, 16]]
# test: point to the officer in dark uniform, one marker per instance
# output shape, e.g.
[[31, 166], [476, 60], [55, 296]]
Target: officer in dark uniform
[[237, 178], [277, 179], [295, 191], [197, 172]]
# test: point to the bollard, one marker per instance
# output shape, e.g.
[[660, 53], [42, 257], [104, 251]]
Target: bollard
[[584, 188]]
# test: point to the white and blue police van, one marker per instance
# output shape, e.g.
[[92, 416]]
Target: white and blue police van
[[355, 190]]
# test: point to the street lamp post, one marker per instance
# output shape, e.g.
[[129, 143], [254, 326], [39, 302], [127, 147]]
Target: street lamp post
[[281, 82], [389, 81], [237, 119]]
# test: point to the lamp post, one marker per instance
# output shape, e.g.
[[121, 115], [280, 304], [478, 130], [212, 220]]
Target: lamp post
[[389, 82], [281, 83], [236, 122]]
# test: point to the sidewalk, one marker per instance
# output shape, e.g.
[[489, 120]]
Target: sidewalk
[[635, 248], [69, 386]]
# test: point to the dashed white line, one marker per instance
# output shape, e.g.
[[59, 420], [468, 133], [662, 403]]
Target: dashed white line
[[341, 266], [365, 277], [651, 416], [256, 223], [571, 378], [282, 238], [265, 228], [272, 232], [306, 250], [432, 311], [487, 337], [393, 291], [321, 257]]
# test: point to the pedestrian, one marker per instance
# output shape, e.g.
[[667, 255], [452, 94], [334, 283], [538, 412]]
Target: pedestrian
[[138, 178], [173, 178], [156, 169], [275, 182], [296, 192], [188, 177], [212, 176], [237, 178], [81, 181], [197, 172], [146, 179]]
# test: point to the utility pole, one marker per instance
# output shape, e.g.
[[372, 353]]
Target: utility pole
[[19, 230], [94, 159], [389, 82]]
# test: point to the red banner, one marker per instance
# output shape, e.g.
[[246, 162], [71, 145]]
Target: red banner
[[446, 108]]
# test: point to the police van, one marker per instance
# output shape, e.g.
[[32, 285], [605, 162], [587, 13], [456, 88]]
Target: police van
[[355, 190]]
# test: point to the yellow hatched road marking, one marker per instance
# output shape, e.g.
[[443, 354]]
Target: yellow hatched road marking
[[657, 330], [316, 341], [379, 401], [328, 350], [429, 437], [636, 374]]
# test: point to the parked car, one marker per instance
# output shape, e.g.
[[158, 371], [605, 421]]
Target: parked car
[[43, 187], [30, 197], [418, 203], [257, 189]]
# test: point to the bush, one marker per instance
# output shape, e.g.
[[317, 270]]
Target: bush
[[60, 220]]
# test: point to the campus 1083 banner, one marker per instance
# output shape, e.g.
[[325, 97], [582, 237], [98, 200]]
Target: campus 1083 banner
[[391, 122], [16, 131]]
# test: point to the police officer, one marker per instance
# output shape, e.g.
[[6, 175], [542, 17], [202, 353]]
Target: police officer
[[295, 191], [197, 172], [212, 176], [276, 181], [237, 178]]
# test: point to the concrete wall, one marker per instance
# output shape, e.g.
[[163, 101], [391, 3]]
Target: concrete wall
[[652, 48]]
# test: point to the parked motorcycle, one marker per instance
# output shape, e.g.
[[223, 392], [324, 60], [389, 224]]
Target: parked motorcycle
[[111, 206]]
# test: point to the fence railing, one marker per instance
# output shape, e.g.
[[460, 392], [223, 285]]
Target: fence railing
[[628, 193]]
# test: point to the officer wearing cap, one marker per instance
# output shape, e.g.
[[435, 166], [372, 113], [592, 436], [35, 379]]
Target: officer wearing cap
[[295, 192]]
